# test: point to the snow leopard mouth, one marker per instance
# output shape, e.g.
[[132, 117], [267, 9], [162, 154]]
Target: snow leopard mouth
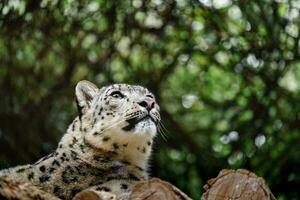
[[134, 121]]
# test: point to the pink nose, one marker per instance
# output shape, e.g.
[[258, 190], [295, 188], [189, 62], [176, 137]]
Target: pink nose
[[148, 103]]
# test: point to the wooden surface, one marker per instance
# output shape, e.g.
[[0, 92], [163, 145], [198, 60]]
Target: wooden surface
[[238, 185], [156, 189], [22, 190], [228, 185]]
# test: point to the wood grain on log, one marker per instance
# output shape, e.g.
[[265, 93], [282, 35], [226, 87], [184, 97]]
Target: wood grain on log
[[156, 189], [87, 195], [22, 190], [237, 185]]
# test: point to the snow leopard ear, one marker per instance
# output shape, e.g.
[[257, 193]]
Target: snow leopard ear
[[85, 92]]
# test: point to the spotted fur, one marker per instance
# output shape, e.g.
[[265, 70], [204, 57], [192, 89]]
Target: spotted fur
[[106, 148]]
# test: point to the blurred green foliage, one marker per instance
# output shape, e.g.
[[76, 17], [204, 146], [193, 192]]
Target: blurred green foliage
[[226, 73]]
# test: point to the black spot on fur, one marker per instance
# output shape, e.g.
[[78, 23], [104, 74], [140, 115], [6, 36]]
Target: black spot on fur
[[42, 168], [124, 186], [133, 177], [125, 145], [58, 192], [82, 148], [52, 169], [113, 152], [106, 138], [44, 178], [96, 133], [21, 170], [30, 176], [109, 178], [62, 159], [56, 188], [55, 162], [139, 168], [98, 188], [126, 163], [106, 189], [68, 175], [79, 108], [86, 144], [81, 169], [74, 155], [98, 158], [99, 173], [97, 182], [74, 191], [91, 184], [115, 146], [144, 150], [149, 143], [74, 140]]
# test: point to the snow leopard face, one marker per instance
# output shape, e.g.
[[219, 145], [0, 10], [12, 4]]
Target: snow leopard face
[[119, 113]]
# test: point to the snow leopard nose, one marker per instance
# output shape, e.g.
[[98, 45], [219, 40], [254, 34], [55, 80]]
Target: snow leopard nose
[[147, 103]]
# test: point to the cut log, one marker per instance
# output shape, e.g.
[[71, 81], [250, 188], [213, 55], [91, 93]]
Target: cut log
[[238, 184], [22, 190], [87, 195], [156, 189]]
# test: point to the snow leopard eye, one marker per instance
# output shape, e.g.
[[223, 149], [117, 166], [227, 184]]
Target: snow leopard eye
[[117, 94]]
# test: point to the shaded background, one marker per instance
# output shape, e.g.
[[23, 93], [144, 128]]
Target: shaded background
[[226, 73]]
